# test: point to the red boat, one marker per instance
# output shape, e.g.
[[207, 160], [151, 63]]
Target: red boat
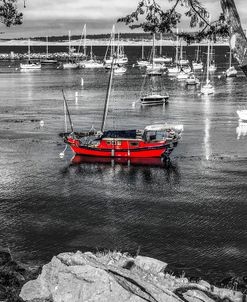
[[153, 141]]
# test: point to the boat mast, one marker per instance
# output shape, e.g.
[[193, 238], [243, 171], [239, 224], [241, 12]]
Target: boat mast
[[197, 54], [176, 59], [91, 51], [160, 44], [29, 56], [69, 43], [47, 51], [118, 46], [142, 50], [113, 41], [107, 96], [208, 58], [230, 59], [84, 41], [153, 52]]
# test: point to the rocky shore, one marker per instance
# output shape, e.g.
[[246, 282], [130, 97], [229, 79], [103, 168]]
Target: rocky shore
[[101, 277]]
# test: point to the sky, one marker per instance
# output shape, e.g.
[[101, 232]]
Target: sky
[[57, 17]]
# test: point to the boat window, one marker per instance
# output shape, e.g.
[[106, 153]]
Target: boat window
[[108, 142], [134, 144], [119, 143]]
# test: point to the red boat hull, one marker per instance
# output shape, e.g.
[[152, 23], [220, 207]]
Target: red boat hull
[[131, 153]]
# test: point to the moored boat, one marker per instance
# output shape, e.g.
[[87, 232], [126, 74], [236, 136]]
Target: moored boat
[[30, 65], [151, 142]]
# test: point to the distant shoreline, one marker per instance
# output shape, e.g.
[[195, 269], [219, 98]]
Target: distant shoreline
[[102, 43]]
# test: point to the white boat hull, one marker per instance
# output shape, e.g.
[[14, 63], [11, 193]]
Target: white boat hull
[[242, 114], [30, 66], [70, 65], [197, 66], [231, 72], [207, 89], [91, 64]]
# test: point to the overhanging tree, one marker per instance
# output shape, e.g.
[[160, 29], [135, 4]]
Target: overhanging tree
[[9, 14], [150, 17]]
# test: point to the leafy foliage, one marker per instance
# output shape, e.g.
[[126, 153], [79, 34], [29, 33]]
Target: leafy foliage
[[9, 14], [154, 19]]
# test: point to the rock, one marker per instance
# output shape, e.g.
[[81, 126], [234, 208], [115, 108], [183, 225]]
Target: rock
[[196, 296], [149, 264], [5, 257], [205, 284], [116, 277], [12, 277]]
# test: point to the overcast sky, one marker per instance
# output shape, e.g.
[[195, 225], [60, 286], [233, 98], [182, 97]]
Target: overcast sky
[[56, 17]]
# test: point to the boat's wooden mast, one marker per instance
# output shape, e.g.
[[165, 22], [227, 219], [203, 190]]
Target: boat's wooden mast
[[108, 95], [67, 109]]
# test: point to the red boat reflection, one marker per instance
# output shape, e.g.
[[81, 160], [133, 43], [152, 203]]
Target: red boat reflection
[[152, 161]]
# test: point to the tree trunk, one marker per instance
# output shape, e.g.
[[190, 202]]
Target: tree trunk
[[238, 41]]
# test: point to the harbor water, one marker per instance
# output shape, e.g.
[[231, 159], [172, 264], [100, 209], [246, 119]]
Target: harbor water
[[190, 214]]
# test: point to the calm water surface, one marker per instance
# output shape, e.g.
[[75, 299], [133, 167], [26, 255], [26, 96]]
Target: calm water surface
[[191, 214]]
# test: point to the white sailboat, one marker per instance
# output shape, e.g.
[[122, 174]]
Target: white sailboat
[[91, 63], [142, 62], [70, 64], [29, 64], [153, 93], [212, 66], [182, 61], [47, 60], [231, 71], [197, 64], [174, 70], [161, 59], [207, 88], [122, 58], [192, 80], [153, 69]]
